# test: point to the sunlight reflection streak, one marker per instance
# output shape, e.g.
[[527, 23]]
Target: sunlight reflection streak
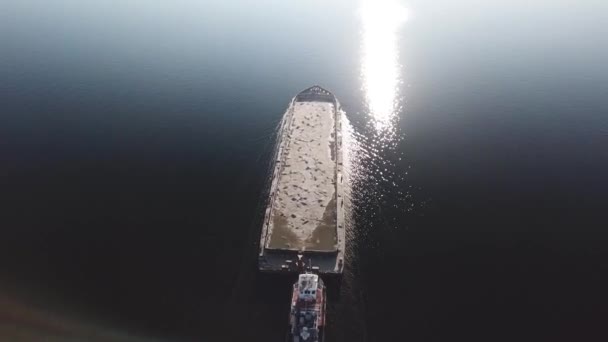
[[380, 69]]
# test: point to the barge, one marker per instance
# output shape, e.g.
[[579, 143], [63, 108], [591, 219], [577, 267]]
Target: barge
[[305, 205]]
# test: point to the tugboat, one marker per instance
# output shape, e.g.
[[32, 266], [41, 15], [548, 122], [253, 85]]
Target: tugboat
[[308, 301]]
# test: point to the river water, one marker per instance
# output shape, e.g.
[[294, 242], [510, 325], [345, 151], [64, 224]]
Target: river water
[[135, 140]]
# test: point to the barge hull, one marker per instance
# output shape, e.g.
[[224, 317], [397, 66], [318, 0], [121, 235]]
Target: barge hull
[[305, 211]]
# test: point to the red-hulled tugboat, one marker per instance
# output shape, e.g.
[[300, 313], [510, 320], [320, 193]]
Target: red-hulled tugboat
[[307, 316]]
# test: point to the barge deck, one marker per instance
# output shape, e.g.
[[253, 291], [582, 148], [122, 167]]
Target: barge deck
[[305, 205]]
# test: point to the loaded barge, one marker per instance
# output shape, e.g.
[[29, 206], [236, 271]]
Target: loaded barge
[[305, 210]]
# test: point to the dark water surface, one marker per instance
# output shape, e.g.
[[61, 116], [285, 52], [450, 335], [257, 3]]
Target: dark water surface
[[135, 140]]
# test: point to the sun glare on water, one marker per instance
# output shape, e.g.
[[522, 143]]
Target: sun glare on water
[[380, 69]]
